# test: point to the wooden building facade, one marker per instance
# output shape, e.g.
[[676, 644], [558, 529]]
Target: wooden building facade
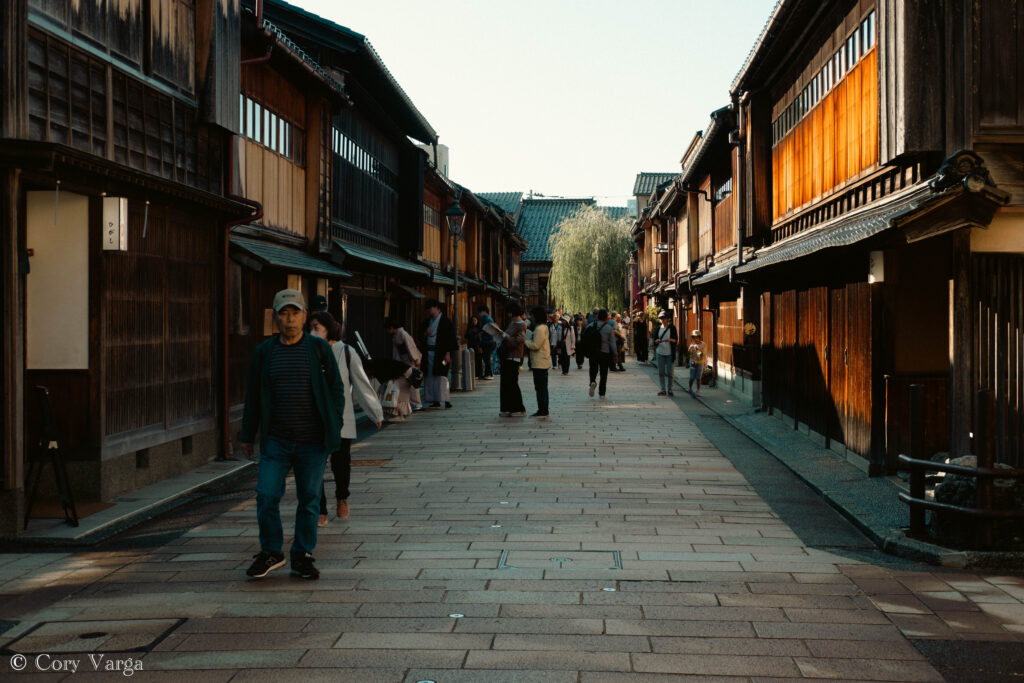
[[115, 124], [875, 232]]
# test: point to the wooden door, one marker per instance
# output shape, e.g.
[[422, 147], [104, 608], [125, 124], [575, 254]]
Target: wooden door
[[813, 360], [837, 352], [858, 368]]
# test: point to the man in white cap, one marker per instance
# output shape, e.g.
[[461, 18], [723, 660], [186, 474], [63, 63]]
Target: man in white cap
[[294, 398]]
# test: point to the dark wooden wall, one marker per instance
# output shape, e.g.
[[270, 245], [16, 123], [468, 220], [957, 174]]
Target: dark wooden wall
[[83, 102], [157, 318], [998, 349], [818, 360]]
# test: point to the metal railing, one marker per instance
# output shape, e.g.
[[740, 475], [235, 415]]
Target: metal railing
[[984, 473]]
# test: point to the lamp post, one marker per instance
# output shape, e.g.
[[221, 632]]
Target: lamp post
[[455, 217]]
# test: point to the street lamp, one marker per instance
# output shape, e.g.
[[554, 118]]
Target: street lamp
[[455, 217]]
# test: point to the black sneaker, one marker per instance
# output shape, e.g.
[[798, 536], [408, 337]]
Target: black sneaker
[[302, 567], [435, 404], [264, 563], [539, 415], [447, 405]]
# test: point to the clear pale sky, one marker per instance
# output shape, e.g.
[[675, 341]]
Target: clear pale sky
[[564, 97]]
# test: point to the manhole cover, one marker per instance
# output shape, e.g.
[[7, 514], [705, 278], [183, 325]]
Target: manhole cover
[[577, 559], [121, 635]]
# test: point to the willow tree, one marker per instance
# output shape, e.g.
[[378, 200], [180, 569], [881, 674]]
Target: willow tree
[[589, 251]]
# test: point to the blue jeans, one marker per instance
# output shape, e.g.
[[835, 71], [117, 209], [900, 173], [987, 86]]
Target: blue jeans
[[665, 368], [308, 461]]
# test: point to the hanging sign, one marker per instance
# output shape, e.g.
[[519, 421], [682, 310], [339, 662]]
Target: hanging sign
[[115, 224]]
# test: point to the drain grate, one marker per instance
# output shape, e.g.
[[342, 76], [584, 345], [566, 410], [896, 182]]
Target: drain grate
[[107, 636], [565, 559]]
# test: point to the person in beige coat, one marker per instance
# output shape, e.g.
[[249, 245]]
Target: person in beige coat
[[538, 341], [357, 384]]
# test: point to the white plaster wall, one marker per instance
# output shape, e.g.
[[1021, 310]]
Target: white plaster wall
[[57, 286], [1005, 234]]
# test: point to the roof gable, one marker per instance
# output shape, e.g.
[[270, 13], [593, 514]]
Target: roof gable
[[539, 220], [647, 182], [506, 201]]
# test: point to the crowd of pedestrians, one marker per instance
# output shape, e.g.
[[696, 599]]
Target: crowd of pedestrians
[[303, 383]]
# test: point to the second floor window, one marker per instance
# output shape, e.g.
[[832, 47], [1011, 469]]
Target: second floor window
[[265, 127], [723, 190]]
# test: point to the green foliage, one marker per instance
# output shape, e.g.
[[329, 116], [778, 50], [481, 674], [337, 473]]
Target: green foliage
[[589, 254]]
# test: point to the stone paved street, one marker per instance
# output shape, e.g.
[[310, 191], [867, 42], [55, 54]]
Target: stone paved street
[[613, 542]]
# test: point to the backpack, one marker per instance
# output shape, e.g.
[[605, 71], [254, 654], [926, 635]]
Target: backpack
[[590, 341]]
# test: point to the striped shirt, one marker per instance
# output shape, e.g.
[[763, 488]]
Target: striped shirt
[[294, 416]]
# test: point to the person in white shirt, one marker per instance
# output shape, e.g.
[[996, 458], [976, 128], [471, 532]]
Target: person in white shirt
[[665, 341], [355, 381]]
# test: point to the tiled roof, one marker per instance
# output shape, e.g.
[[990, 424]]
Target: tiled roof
[[538, 220], [646, 182], [616, 212], [506, 201]]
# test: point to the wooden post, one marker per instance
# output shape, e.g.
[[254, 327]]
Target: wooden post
[[983, 407], [12, 359], [917, 514], [961, 353]]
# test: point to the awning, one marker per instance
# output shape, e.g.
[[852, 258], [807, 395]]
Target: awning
[[494, 288], [465, 279], [377, 260], [714, 274], [438, 278], [928, 208], [286, 258], [411, 292]]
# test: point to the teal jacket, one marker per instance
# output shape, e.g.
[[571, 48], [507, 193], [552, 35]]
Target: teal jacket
[[328, 392]]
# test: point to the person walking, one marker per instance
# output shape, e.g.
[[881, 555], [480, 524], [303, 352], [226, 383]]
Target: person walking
[[486, 342], [579, 324], [565, 342], [665, 341], [474, 333], [322, 324], [620, 343], [640, 342], [538, 342], [438, 338], [295, 399], [698, 359], [513, 344], [604, 352], [403, 348]]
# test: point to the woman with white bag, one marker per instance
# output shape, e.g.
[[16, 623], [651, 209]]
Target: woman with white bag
[[355, 381], [403, 348]]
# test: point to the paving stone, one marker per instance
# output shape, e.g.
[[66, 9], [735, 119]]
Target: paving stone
[[602, 643], [415, 641], [706, 664], [868, 669], [236, 659], [519, 625], [535, 660], [362, 675], [490, 676], [384, 659]]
